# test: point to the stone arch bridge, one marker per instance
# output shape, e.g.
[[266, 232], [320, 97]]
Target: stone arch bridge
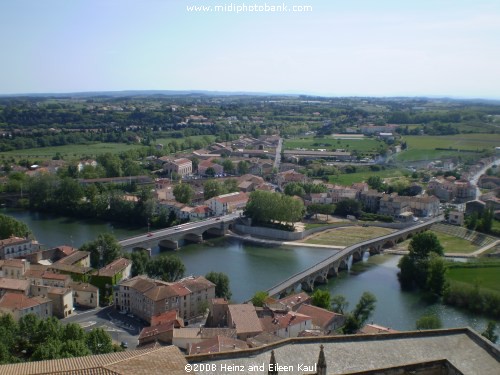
[[192, 232], [330, 267]]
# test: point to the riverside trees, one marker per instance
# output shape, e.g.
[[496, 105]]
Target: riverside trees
[[265, 207]]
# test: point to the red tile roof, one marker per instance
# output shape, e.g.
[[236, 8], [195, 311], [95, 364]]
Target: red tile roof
[[217, 344], [16, 301], [320, 317]]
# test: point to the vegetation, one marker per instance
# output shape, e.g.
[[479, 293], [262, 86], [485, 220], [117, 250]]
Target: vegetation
[[321, 298], [183, 193], [267, 207], [423, 267], [347, 235], [361, 313], [213, 188], [473, 298], [103, 250], [429, 322], [35, 339], [489, 332], [339, 304], [259, 298], [12, 227], [166, 267], [221, 281]]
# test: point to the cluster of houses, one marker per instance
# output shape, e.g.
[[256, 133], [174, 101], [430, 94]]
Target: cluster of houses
[[52, 282], [449, 189], [233, 327]]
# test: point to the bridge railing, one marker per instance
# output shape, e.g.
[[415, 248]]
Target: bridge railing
[[325, 262]]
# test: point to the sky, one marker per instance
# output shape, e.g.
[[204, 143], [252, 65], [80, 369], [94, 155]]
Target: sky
[[337, 48]]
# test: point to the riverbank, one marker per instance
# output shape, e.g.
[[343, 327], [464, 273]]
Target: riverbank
[[263, 241]]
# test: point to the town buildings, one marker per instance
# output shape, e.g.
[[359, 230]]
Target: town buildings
[[145, 297], [15, 247], [227, 203], [182, 167]]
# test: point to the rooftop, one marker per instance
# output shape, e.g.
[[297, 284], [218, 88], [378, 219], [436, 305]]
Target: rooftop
[[83, 287], [217, 344], [320, 317], [154, 361], [114, 267], [463, 348], [73, 257], [14, 284], [245, 318], [17, 301]]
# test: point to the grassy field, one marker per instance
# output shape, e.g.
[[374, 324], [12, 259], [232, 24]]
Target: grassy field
[[487, 277], [424, 147], [450, 244], [347, 236], [70, 151], [361, 145], [350, 178]]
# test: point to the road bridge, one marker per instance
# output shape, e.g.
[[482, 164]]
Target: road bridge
[[192, 232], [329, 267]]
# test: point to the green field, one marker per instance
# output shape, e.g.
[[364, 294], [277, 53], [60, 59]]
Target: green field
[[165, 141], [424, 147], [70, 151], [450, 244], [487, 277], [309, 143], [350, 178], [347, 236]]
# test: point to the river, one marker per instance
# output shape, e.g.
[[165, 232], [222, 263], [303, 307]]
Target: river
[[251, 268]]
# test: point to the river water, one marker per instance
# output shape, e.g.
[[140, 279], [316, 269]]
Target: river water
[[251, 268]]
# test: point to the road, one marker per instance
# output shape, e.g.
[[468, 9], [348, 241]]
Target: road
[[474, 178], [277, 158], [176, 229], [121, 328]]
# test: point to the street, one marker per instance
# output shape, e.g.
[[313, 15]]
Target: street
[[122, 328]]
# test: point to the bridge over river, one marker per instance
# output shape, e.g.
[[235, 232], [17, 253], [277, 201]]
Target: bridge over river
[[320, 272], [190, 232]]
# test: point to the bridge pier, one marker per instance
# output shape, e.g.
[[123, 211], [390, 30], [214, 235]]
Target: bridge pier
[[193, 237], [169, 244]]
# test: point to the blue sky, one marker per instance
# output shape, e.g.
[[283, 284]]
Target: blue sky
[[349, 47]]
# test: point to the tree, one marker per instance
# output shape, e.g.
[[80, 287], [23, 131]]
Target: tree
[[364, 307], [243, 167], [436, 279], [363, 310], [212, 188], [183, 193], [348, 207], [103, 250], [415, 265], [429, 322], [221, 281], [12, 227], [375, 182], [489, 332], [294, 188], [321, 298], [230, 185], [98, 341], [265, 206], [166, 267], [339, 304], [210, 171], [228, 166], [140, 260], [259, 298]]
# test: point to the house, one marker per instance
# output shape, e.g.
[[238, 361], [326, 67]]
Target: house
[[204, 165], [76, 258], [110, 275], [320, 198], [284, 324], [145, 297], [244, 319], [14, 268], [14, 286], [488, 182], [393, 205], [322, 319], [286, 177], [293, 302], [62, 301], [199, 212], [456, 218], [186, 337], [370, 199], [217, 344], [15, 247], [19, 305], [161, 329], [373, 329], [85, 295], [182, 167], [227, 203], [424, 205]]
